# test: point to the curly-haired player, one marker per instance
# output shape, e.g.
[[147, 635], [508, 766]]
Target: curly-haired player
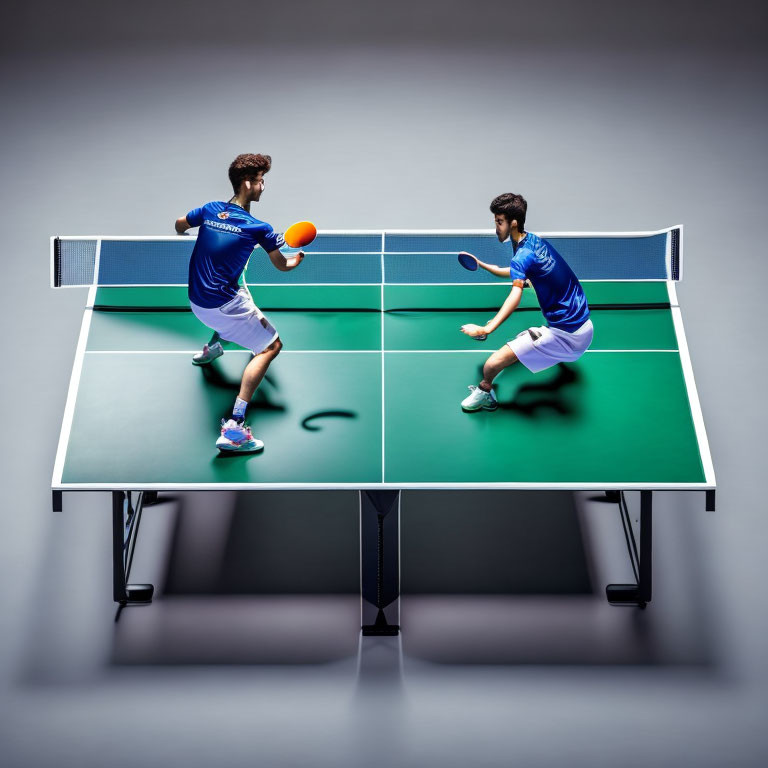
[[227, 236], [568, 332]]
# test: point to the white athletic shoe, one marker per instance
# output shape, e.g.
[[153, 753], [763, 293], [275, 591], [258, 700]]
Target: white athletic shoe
[[236, 436], [208, 354], [478, 399]]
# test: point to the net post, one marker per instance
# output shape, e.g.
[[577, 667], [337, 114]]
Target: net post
[[675, 253], [56, 262]]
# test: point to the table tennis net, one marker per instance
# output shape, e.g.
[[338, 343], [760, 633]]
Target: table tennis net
[[361, 263]]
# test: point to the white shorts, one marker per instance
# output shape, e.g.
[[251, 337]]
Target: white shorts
[[240, 321], [552, 346]]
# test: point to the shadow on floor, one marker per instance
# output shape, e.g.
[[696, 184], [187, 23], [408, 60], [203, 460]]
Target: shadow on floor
[[492, 578]]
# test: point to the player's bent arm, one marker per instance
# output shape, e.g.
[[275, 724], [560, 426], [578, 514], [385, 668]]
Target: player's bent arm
[[182, 225], [493, 269], [510, 304], [285, 264]]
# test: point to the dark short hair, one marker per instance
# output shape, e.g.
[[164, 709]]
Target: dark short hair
[[247, 167], [511, 206]]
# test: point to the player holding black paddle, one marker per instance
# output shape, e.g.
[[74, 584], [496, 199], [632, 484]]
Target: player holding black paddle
[[568, 332], [227, 236]]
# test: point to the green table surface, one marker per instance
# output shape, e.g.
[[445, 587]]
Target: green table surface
[[337, 410]]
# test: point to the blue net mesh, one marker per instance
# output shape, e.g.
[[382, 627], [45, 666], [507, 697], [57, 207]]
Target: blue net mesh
[[615, 258], [432, 268], [324, 268], [145, 262], [345, 243], [73, 262], [354, 258], [433, 258], [485, 247]]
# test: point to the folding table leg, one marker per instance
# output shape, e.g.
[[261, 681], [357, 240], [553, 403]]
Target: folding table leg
[[125, 528], [380, 562], [640, 593]]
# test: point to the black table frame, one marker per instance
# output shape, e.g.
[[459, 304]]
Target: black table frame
[[379, 553]]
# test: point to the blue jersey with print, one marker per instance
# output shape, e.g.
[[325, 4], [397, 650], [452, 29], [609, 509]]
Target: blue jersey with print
[[558, 290], [228, 234]]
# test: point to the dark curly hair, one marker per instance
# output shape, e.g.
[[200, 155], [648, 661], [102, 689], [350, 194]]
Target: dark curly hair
[[245, 167], [511, 206]]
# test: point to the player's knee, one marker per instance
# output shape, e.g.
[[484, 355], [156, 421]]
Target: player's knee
[[502, 358], [275, 347]]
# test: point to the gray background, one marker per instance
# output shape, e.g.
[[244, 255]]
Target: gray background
[[117, 118]]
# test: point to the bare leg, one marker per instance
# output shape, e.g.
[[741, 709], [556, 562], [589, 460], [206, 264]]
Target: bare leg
[[214, 338], [495, 364], [255, 370]]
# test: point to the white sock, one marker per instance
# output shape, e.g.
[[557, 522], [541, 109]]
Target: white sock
[[238, 412]]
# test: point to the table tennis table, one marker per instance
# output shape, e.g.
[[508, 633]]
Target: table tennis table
[[365, 394]]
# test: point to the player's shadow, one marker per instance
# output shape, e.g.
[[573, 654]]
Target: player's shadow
[[234, 456], [261, 400], [311, 424], [549, 394]]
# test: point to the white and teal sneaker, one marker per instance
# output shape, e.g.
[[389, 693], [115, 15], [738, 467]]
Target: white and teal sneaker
[[478, 399], [236, 437], [209, 353]]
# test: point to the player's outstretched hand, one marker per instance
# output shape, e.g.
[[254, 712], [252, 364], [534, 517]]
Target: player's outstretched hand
[[475, 331], [294, 261]]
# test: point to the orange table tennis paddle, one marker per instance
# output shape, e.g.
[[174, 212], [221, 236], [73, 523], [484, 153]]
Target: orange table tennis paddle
[[300, 234]]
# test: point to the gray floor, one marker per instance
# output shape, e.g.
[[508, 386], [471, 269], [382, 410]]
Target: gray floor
[[118, 120]]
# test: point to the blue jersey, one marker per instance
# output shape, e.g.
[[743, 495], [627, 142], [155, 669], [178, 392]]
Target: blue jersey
[[558, 290], [228, 234]]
